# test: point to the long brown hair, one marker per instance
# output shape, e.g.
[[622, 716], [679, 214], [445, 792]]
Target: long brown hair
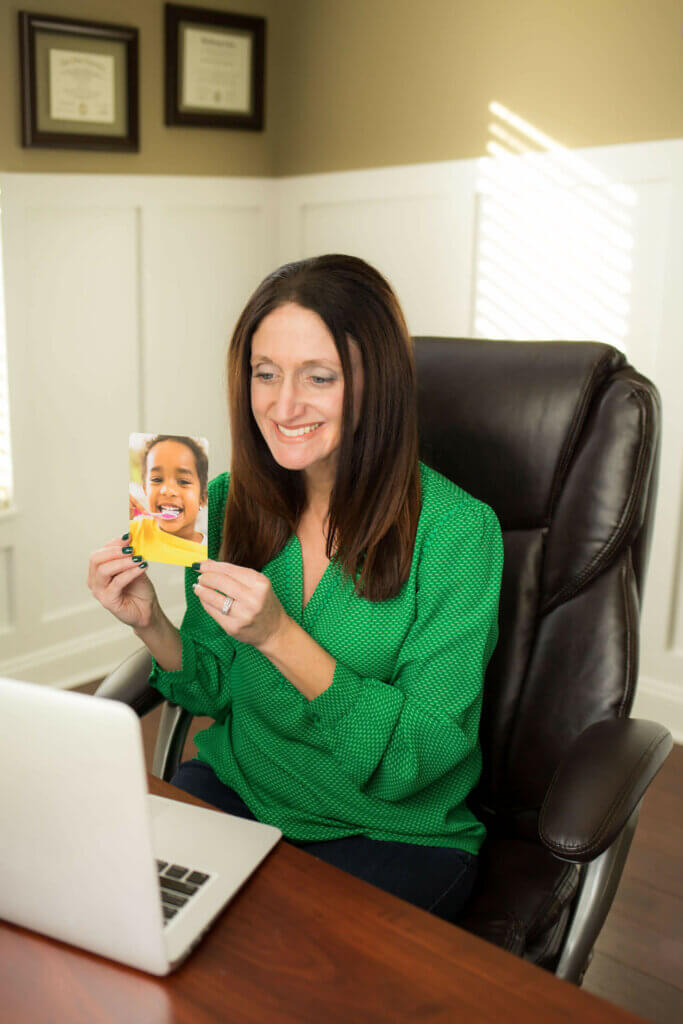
[[376, 498]]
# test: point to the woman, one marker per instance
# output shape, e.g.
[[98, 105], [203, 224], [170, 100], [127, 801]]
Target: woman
[[339, 631]]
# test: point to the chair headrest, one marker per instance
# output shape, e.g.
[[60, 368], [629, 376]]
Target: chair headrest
[[503, 417]]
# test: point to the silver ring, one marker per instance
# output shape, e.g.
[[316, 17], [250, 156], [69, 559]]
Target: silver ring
[[227, 605]]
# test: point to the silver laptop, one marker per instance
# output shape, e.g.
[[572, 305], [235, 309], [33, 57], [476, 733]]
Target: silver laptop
[[87, 855]]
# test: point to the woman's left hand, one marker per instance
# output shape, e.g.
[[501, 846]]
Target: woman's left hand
[[255, 615]]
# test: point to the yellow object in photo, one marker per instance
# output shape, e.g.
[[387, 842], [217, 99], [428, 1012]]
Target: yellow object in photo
[[155, 545]]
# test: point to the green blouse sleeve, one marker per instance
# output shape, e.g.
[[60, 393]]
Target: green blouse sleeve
[[202, 684], [426, 718]]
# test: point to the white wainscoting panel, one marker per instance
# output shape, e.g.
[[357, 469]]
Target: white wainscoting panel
[[121, 297], [379, 228], [173, 263], [82, 337], [415, 224]]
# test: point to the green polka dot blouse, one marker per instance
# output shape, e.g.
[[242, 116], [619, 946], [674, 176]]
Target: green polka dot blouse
[[390, 750]]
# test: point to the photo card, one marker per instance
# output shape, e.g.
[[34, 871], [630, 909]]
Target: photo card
[[168, 497]]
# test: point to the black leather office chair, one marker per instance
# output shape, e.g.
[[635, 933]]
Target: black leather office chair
[[562, 440]]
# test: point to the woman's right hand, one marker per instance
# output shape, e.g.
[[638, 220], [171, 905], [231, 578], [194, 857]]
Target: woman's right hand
[[121, 586]]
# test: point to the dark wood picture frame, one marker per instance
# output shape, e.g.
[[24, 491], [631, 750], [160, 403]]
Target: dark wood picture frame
[[177, 16], [76, 31]]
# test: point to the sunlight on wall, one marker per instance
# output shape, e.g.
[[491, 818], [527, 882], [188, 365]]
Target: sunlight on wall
[[5, 456], [554, 241]]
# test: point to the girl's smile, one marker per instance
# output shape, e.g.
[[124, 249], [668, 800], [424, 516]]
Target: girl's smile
[[170, 511], [172, 487]]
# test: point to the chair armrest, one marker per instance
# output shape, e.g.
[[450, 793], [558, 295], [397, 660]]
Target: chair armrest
[[128, 683], [598, 784]]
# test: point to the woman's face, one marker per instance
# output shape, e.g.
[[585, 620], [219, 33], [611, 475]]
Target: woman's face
[[285, 392], [171, 482]]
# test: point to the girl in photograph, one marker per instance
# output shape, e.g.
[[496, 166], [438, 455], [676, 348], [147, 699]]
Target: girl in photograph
[[174, 473]]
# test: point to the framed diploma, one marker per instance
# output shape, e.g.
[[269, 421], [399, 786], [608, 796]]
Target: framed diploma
[[79, 83], [215, 66]]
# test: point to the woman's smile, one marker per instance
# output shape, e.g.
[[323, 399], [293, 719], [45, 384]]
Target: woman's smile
[[308, 432]]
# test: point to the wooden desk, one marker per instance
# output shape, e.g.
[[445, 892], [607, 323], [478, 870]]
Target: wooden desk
[[301, 941]]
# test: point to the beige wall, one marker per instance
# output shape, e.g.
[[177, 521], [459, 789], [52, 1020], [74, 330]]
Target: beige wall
[[390, 82], [163, 150], [371, 83]]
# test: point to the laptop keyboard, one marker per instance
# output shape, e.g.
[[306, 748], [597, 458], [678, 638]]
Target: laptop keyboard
[[178, 886]]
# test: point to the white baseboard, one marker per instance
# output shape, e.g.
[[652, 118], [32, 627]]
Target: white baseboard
[[660, 702], [75, 662]]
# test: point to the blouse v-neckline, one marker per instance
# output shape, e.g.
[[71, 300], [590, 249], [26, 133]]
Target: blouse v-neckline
[[308, 613]]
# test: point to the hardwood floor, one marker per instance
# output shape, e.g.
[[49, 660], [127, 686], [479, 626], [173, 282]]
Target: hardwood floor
[[638, 958], [638, 961]]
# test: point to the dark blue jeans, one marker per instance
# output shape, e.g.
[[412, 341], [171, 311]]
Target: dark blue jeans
[[437, 878]]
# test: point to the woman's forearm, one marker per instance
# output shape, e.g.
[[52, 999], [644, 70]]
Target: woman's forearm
[[163, 641]]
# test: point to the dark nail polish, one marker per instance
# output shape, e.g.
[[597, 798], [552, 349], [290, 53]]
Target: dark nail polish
[[143, 565], [195, 566], [125, 536], [127, 551], [137, 558]]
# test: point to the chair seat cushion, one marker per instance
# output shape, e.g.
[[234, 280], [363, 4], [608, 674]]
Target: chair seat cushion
[[521, 897]]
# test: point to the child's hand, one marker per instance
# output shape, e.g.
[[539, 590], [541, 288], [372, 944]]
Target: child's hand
[[134, 508], [122, 585]]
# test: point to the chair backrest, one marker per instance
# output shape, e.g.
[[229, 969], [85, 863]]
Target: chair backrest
[[561, 439]]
